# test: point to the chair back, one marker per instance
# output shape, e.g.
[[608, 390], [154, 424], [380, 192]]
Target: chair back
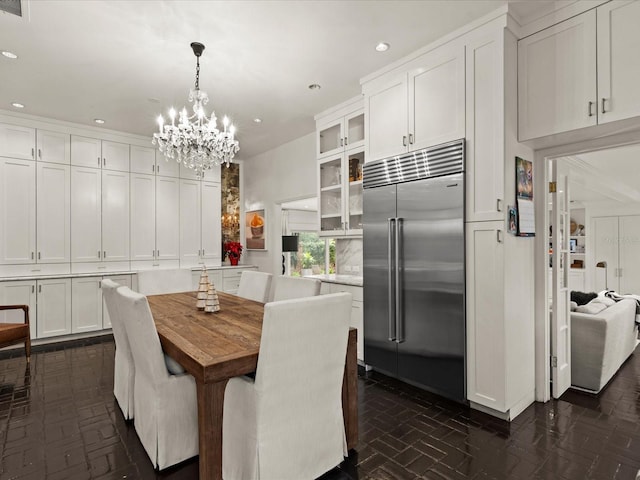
[[146, 350], [255, 285], [287, 288], [301, 363], [156, 282], [109, 288]]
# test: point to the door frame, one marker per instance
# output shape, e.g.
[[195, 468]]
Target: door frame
[[542, 159]]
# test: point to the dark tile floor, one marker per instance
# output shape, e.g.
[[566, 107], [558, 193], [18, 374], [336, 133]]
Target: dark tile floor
[[59, 420]]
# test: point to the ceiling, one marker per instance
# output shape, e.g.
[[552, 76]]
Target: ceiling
[[127, 61]]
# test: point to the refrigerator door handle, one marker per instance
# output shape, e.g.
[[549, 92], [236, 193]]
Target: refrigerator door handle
[[391, 278], [398, 285]]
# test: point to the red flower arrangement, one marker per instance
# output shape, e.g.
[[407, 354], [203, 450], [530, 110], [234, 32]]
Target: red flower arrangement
[[233, 250]]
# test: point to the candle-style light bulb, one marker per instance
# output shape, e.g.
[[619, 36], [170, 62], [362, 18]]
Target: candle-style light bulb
[[160, 122], [232, 131], [172, 116], [225, 122]]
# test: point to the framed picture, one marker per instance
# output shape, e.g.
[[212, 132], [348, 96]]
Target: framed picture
[[573, 243], [255, 230], [513, 219]]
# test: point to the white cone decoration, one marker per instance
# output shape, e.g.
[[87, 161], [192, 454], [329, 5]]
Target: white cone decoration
[[213, 303], [203, 288]]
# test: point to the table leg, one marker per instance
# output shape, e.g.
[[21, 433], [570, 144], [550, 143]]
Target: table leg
[[210, 406], [350, 391]]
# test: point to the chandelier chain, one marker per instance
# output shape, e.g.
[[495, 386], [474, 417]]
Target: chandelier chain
[[197, 73]]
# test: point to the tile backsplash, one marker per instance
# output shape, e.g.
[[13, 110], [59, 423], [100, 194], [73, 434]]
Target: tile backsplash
[[349, 256]]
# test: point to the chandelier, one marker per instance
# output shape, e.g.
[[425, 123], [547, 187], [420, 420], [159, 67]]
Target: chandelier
[[196, 141], [230, 221]]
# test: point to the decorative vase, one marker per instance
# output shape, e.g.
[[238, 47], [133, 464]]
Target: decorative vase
[[234, 260]]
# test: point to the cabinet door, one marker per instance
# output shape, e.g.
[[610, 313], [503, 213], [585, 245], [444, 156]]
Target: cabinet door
[[605, 249], [54, 147], [331, 196], [618, 44], [213, 174], [166, 167], [484, 162], [186, 172], [629, 253], [54, 307], [353, 192], [54, 213], [123, 280], [485, 320], [436, 99], [354, 130], [86, 304], [86, 152], [86, 214], [143, 160], [167, 218], [557, 78], [143, 217], [330, 138], [115, 156], [211, 227], [21, 292], [17, 211], [115, 216], [17, 142], [386, 118], [190, 237]]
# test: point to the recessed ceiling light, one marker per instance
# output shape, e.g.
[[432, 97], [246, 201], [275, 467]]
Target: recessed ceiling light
[[314, 86], [257, 120], [382, 47], [99, 121], [17, 105], [8, 54]]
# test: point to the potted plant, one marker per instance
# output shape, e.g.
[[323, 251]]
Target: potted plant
[[233, 250], [307, 263]]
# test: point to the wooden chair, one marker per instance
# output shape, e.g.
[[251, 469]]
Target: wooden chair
[[12, 333]]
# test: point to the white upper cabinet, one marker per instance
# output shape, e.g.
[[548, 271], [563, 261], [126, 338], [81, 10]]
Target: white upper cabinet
[[210, 175], [53, 147], [168, 218], [86, 214], [618, 65], [557, 78], [580, 72], [86, 304], [437, 99], [143, 215], [386, 113], [166, 167], [17, 211], [339, 133], [211, 229], [91, 152], [115, 216], [17, 142], [86, 152], [422, 107], [54, 213], [143, 159], [190, 233]]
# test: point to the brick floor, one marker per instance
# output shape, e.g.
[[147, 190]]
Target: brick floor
[[59, 420]]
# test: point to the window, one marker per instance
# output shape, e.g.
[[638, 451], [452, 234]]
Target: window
[[311, 257]]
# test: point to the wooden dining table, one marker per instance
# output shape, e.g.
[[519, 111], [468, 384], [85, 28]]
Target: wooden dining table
[[214, 347]]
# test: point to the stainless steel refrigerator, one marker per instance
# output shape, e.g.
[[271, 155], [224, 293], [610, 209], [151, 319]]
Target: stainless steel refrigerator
[[414, 274]]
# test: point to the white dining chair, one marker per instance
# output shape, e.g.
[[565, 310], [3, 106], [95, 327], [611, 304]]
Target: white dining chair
[[157, 282], [123, 370], [255, 285], [166, 408], [287, 288], [288, 423]]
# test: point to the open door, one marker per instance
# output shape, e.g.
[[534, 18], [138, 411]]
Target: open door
[[560, 317]]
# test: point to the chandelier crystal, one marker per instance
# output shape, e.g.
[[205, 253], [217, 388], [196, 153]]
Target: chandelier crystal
[[196, 141]]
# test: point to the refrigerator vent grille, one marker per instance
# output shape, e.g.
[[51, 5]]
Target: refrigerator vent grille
[[430, 162]]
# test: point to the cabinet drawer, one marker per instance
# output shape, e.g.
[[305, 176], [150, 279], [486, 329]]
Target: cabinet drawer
[[99, 267], [230, 285]]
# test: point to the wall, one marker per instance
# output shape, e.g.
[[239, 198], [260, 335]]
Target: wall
[[285, 173]]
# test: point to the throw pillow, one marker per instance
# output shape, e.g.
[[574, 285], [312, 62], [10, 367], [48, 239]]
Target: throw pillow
[[582, 298], [573, 306], [591, 308]]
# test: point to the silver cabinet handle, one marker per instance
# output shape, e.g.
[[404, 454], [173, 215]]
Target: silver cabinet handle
[[158, 169], [33, 289], [499, 236], [589, 112], [98, 161], [153, 168], [39, 288], [391, 279], [603, 109], [40, 153], [104, 162], [157, 253], [498, 204], [404, 140], [399, 312], [33, 153], [411, 139], [38, 255], [203, 254], [31, 255], [98, 253], [104, 254]]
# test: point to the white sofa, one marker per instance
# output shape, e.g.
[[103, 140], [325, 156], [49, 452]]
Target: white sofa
[[600, 343]]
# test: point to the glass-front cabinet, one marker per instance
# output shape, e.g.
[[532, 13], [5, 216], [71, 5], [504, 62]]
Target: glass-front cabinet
[[340, 152]]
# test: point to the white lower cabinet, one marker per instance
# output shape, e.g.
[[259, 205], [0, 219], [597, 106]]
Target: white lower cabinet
[[357, 310], [21, 292], [123, 280], [86, 304], [54, 307], [231, 278]]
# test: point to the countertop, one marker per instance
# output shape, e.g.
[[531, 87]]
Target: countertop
[[354, 280]]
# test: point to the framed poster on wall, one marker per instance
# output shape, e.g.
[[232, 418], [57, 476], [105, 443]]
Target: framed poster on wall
[[255, 228]]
